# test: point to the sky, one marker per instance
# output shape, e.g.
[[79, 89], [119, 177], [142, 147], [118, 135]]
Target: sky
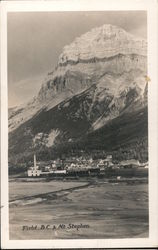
[[36, 39]]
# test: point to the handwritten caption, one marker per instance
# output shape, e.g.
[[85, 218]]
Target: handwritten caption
[[56, 227]]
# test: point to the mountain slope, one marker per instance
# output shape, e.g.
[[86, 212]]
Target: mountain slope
[[99, 80]]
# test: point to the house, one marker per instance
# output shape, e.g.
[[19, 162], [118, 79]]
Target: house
[[106, 162]]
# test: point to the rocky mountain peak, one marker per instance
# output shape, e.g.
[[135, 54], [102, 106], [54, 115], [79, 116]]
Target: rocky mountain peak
[[105, 41]]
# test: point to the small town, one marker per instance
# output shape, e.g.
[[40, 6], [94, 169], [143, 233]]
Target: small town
[[80, 166]]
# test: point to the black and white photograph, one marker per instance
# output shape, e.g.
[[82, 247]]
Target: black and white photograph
[[78, 125]]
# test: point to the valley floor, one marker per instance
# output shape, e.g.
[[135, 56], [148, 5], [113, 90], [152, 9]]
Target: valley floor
[[94, 208]]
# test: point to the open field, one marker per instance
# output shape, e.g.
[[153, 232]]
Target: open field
[[22, 190], [102, 209]]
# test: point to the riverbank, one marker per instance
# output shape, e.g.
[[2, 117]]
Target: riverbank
[[139, 172]]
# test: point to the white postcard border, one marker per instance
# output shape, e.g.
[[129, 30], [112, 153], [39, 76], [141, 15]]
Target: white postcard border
[[85, 5]]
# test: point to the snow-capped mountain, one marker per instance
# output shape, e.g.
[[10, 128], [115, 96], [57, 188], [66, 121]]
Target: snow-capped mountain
[[100, 76]]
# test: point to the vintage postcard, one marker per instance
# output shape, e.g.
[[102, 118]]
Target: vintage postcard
[[79, 124]]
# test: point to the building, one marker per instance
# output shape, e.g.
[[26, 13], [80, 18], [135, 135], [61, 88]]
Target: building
[[131, 163], [104, 163], [34, 171]]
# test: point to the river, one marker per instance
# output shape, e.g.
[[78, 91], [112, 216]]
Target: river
[[78, 209]]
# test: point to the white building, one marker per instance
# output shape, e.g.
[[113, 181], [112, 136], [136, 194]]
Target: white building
[[34, 171]]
